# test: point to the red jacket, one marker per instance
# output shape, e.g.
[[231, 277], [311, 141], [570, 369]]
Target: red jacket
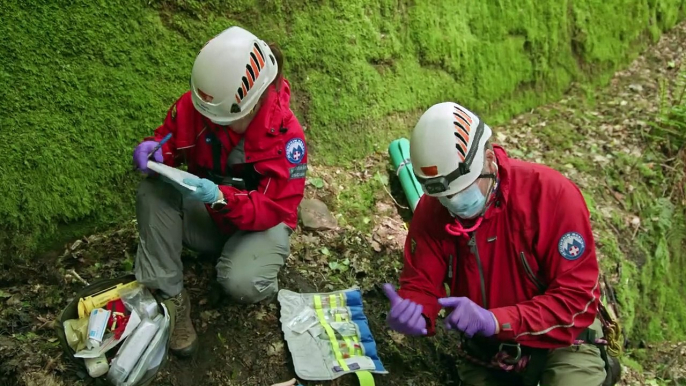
[[537, 233], [274, 145]]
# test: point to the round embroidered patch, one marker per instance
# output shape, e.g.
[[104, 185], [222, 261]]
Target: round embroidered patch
[[571, 246], [295, 150]]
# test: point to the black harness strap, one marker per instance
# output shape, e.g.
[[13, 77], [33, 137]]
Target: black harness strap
[[249, 178]]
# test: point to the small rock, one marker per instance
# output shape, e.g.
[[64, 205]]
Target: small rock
[[316, 216], [636, 87]]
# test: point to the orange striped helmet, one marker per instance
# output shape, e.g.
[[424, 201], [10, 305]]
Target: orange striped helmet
[[230, 74], [447, 149]]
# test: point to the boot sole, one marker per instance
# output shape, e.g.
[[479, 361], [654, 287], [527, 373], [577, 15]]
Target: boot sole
[[186, 351]]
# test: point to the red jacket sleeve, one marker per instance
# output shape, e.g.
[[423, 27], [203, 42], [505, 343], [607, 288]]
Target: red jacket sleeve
[[169, 149], [275, 200], [567, 254], [425, 266]]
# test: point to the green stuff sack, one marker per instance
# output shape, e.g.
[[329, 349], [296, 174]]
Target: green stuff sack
[[71, 312], [399, 151]]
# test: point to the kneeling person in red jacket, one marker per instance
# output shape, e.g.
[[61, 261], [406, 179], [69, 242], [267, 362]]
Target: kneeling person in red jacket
[[235, 130], [513, 242]]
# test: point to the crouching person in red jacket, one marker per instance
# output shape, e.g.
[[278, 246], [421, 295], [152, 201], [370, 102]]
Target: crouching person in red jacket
[[235, 130], [513, 242]]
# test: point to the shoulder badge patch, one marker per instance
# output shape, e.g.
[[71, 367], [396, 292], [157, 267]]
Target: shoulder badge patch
[[571, 246], [295, 150], [413, 245]]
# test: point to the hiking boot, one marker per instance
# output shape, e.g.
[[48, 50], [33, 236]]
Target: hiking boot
[[184, 340]]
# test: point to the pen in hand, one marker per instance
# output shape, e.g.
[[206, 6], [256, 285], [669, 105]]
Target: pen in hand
[[159, 145]]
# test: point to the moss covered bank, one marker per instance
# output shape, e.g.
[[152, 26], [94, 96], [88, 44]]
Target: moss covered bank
[[82, 81]]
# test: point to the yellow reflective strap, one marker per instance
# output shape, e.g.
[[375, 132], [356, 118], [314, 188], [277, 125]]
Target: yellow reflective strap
[[329, 332], [355, 341], [333, 305], [358, 350], [365, 377], [340, 318]]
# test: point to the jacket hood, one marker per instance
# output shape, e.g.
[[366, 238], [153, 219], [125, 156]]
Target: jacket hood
[[504, 175]]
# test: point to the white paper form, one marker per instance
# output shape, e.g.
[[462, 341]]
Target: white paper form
[[173, 174]]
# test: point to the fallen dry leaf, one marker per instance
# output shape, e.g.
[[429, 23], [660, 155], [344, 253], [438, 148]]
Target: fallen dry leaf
[[397, 337], [275, 348]]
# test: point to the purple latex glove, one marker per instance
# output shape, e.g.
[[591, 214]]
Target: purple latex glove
[[405, 316], [141, 153], [468, 317]]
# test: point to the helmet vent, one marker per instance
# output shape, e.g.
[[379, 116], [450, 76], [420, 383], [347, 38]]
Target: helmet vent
[[252, 72], [462, 125], [460, 146]]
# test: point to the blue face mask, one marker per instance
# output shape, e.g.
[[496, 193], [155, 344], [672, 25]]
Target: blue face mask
[[466, 204]]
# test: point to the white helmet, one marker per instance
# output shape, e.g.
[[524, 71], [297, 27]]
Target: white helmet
[[447, 149], [230, 74]]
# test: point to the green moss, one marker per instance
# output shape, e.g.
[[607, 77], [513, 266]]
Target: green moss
[[662, 281], [84, 89], [615, 260], [648, 264], [649, 296], [357, 196], [627, 361], [83, 82]]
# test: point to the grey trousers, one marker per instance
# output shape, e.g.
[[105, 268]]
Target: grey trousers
[[248, 261]]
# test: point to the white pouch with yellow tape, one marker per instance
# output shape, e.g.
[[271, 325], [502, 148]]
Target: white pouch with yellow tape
[[328, 335]]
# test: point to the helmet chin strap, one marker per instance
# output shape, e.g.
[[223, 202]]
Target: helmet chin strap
[[456, 228]]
